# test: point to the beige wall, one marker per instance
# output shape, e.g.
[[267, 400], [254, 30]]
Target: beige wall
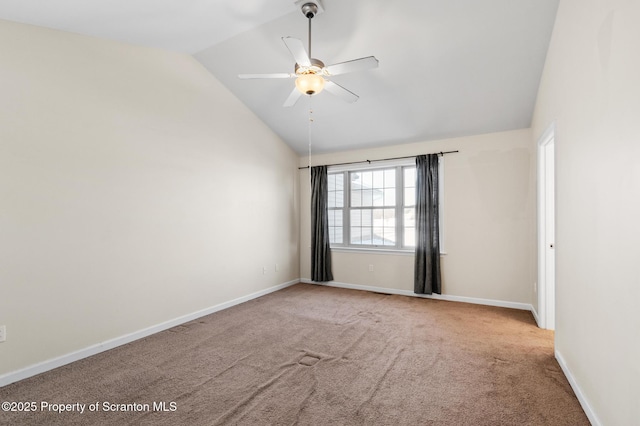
[[134, 189], [488, 220], [591, 88]]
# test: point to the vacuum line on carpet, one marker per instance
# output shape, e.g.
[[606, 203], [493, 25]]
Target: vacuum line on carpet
[[386, 370], [224, 418]]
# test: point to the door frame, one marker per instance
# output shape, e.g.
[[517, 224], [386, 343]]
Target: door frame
[[546, 218]]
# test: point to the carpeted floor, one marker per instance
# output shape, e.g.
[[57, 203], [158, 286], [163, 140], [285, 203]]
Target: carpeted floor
[[314, 355]]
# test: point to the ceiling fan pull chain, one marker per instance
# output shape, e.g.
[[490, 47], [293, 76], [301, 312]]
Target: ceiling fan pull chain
[[310, 121]]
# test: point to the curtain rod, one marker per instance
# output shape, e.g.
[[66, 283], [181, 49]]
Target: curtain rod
[[382, 159]]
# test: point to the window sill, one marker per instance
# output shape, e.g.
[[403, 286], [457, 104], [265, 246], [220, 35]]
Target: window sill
[[376, 251]]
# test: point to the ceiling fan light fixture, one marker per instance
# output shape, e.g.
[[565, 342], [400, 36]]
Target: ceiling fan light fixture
[[310, 84]]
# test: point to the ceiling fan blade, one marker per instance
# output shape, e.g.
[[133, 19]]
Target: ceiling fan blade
[[275, 75], [296, 48], [339, 91], [350, 66], [293, 97]]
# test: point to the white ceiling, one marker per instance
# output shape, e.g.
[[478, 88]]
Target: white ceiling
[[447, 68]]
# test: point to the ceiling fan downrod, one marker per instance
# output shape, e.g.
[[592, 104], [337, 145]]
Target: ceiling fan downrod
[[309, 10]]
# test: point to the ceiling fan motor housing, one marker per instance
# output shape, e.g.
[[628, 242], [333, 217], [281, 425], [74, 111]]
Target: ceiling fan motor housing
[[316, 67]]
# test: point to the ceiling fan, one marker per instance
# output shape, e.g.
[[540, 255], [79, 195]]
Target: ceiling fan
[[312, 76]]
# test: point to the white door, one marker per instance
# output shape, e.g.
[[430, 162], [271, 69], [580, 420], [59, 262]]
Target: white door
[[546, 229]]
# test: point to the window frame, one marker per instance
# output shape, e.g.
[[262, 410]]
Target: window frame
[[400, 247]]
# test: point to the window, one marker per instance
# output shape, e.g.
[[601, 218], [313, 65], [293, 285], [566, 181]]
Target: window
[[373, 207]]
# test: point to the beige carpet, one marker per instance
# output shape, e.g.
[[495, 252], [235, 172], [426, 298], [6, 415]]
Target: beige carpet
[[314, 355]]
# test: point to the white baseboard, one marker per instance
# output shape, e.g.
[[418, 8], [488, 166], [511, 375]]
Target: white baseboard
[[588, 410], [450, 298], [535, 315], [41, 367]]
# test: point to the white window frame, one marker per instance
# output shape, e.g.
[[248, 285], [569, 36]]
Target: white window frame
[[399, 249]]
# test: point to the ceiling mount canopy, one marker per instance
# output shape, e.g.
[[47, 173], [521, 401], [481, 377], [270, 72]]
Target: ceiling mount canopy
[[311, 75], [310, 9]]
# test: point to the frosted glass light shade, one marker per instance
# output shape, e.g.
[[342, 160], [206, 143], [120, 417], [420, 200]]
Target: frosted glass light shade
[[310, 84]]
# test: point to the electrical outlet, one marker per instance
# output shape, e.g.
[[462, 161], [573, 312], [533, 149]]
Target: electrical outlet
[[535, 286], [277, 267], [264, 270], [3, 333], [370, 268]]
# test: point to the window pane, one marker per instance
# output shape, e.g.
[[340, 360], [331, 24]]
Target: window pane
[[335, 226], [378, 179], [378, 197], [377, 236], [390, 178], [378, 217], [389, 217], [355, 218], [367, 236], [335, 184], [366, 217], [367, 198], [409, 237], [356, 198], [356, 235], [337, 239], [389, 197], [409, 186], [409, 196], [367, 179], [389, 236], [337, 219], [410, 217], [409, 176]]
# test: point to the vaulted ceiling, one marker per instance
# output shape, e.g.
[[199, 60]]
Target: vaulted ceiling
[[446, 68]]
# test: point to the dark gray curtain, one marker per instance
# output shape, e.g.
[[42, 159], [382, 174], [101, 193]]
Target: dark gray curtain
[[320, 251], [427, 265]]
